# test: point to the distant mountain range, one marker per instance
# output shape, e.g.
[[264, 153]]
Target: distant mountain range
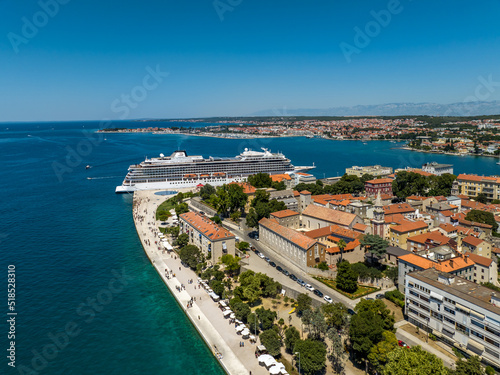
[[394, 109]]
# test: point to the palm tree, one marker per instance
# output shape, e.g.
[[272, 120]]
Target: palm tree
[[341, 244]]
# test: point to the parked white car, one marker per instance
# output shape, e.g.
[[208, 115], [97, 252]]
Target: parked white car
[[309, 287], [327, 299]]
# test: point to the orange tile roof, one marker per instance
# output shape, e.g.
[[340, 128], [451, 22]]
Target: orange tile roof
[[329, 215], [476, 178], [446, 213], [305, 192], [359, 226], [471, 240], [379, 181], [291, 235], [333, 250], [335, 230], [280, 177], [296, 193], [416, 198], [247, 188], [436, 236], [284, 213], [206, 226], [398, 208], [396, 218], [320, 201], [448, 227], [449, 265], [420, 172], [478, 259], [409, 226], [333, 239], [352, 245]]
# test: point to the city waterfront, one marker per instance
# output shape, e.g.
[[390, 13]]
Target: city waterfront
[[66, 231]]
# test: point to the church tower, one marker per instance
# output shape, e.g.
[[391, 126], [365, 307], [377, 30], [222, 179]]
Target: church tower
[[378, 221]]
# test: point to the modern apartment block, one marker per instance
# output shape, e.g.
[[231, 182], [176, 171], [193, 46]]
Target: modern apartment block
[[459, 312], [472, 185]]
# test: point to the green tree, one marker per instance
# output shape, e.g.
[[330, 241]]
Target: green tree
[[413, 361], [235, 216], [252, 220], [392, 273], [261, 196], [191, 255], [181, 208], [366, 177], [182, 240], [482, 198], [377, 307], [279, 185], [346, 279], [312, 355], [260, 180], [266, 317], [304, 303], [271, 340], [441, 185], [237, 199], [375, 244], [173, 231], [216, 219], [409, 183], [241, 310], [243, 246], [335, 314], [337, 355], [232, 263], [206, 191], [378, 353], [482, 217], [323, 266], [292, 335], [217, 286], [341, 245], [365, 331], [489, 370], [470, 366]]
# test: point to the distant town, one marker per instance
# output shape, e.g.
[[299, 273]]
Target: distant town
[[452, 135]]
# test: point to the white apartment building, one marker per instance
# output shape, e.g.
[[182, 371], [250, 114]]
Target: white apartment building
[[459, 312]]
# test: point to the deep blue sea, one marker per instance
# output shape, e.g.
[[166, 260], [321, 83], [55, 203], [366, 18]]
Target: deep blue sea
[[70, 238]]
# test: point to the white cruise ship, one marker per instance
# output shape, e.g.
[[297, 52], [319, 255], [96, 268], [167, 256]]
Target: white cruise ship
[[182, 171]]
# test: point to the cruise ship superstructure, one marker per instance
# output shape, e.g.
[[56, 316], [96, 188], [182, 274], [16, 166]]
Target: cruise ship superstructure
[[180, 170]]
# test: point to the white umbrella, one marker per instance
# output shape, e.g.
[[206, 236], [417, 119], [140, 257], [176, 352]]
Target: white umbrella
[[274, 370], [232, 316], [227, 313], [240, 328], [284, 372], [270, 362], [262, 358], [245, 332]]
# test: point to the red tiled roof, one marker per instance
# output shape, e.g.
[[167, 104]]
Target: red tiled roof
[[305, 192], [416, 198], [471, 240], [475, 178], [280, 177], [449, 265], [379, 181], [448, 227], [396, 218], [446, 213], [284, 213], [329, 215], [478, 259], [291, 235], [206, 226], [333, 230], [436, 236], [359, 226], [410, 226], [398, 208], [247, 188]]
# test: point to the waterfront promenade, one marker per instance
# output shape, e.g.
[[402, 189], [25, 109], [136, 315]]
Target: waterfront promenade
[[204, 312]]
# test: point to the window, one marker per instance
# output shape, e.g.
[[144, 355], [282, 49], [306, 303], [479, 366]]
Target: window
[[448, 310], [477, 324]]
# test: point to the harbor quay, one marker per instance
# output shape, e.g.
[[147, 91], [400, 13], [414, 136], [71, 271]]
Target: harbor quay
[[219, 335]]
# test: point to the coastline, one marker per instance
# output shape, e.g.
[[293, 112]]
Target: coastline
[[204, 313], [447, 153]]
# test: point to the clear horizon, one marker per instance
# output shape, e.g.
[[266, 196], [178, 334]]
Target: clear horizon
[[71, 61]]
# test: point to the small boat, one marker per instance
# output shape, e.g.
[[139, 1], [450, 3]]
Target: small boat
[[88, 167]]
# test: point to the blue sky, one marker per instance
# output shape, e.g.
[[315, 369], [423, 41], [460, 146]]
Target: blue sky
[[88, 57]]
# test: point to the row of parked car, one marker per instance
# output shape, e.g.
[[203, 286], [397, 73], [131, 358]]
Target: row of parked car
[[291, 275]]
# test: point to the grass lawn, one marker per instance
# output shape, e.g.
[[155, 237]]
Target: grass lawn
[[165, 206], [363, 290]]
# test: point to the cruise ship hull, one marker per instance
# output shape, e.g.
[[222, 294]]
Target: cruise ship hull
[[180, 171]]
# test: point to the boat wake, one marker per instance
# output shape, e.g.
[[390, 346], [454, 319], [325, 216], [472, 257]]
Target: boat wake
[[101, 178]]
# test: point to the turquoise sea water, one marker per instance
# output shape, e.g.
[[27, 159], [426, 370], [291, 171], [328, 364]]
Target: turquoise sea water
[[66, 233]]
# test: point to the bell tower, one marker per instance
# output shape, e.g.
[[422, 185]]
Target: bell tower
[[378, 221]]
